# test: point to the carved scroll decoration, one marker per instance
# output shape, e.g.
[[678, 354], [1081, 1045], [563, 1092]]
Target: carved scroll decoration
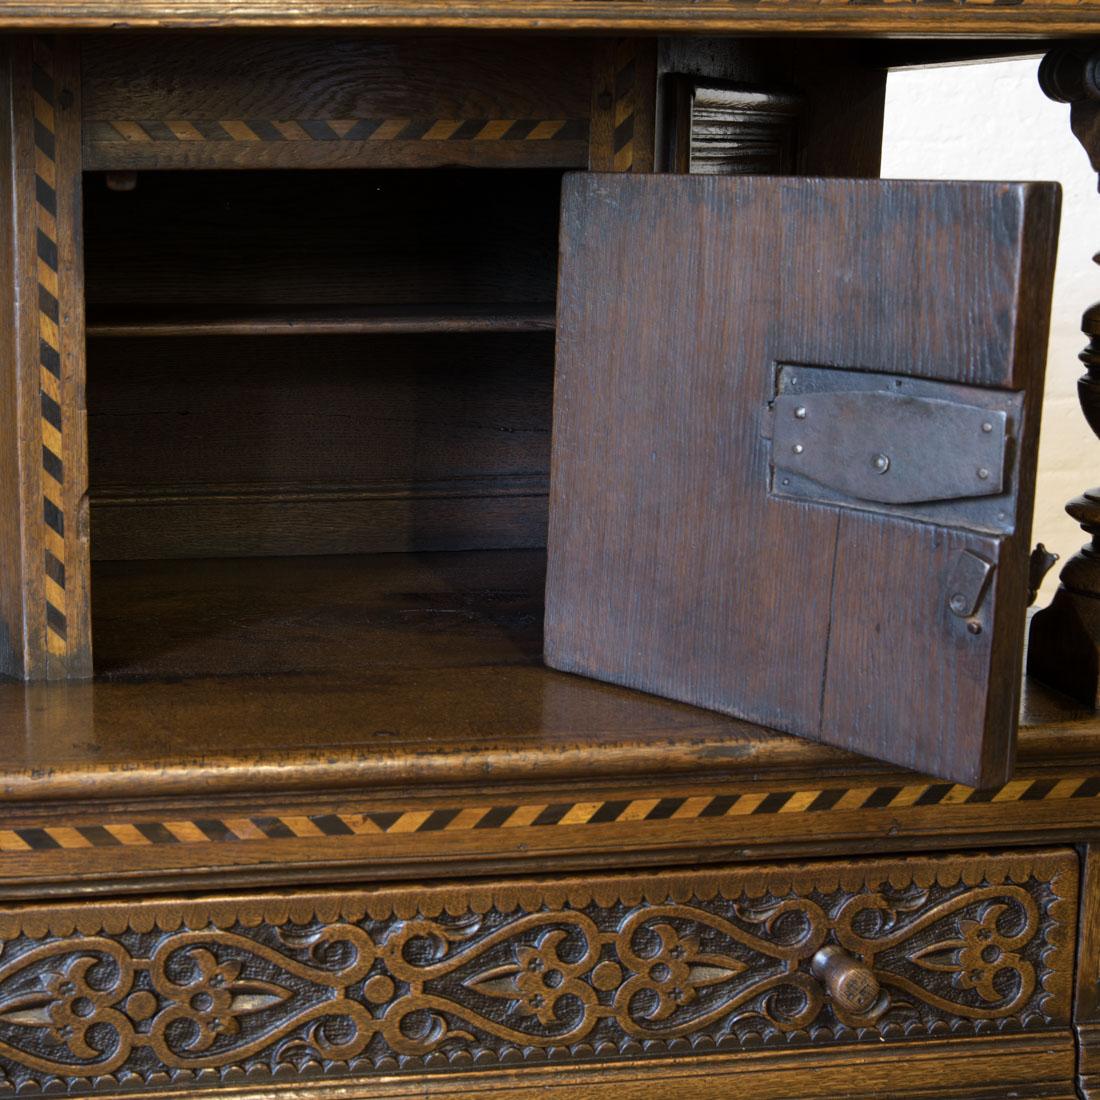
[[598, 968]]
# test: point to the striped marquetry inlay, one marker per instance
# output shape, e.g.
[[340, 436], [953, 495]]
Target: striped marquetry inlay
[[624, 108], [336, 129], [540, 814], [49, 346]]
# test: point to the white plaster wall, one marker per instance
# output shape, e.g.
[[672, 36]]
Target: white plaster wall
[[991, 121]]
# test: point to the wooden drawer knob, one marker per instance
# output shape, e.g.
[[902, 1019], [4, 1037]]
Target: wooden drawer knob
[[851, 985]]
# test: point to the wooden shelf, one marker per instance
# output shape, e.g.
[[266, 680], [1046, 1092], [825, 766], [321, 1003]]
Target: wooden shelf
[[380, 671], [322, 320]]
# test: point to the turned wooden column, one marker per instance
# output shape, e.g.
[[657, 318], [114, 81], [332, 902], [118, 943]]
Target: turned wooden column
[[1064, 647]]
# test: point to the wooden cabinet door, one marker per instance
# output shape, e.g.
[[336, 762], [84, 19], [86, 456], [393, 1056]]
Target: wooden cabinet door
[[794, 449]]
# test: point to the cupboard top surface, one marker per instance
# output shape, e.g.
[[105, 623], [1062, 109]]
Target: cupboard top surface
[[308, 731], [1035, 18], [466, 701]]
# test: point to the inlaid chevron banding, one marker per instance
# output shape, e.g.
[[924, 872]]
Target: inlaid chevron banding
[[538, 815], [336, 129], [624, 108], [49, 347]]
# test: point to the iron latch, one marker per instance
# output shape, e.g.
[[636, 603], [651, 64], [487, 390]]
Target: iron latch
[[885, 445], [967, 585]]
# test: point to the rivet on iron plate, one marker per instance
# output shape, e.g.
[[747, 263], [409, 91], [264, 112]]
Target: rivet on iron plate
[[881, 463], [800, 413], [798, 448], [983, 473], [974, 627], [987, 427], [958, 602]]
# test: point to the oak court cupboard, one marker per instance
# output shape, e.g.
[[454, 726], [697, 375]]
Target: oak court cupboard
[[514, 557]]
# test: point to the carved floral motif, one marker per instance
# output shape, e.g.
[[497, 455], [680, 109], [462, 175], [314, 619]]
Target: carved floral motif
[[979, 954], [705, 961]]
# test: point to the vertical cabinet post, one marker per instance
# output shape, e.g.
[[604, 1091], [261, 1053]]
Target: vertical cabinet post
[[1064, 644], [44, 615], [624, 105], [1086, 1008]]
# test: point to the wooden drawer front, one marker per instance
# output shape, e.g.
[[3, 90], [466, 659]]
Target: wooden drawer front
[[406, 979]]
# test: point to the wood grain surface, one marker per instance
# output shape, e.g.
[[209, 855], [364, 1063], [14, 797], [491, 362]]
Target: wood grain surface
[[318, 444], [215, 783], [587, 969], [346, 614], [280, 77], [376, 376], [624, 106], [1032, 18], [673, 567], [841, 83], [46, 632], [297, 102], [285, 722], [1086, 1011], [458, 694], [1032, 1067]]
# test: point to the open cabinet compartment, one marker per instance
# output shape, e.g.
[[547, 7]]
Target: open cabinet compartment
[[319, 499], [354, 366], [330, 458]]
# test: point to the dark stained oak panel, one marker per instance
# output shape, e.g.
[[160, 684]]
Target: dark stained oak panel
[[675, 567], [333, 77], [318, 444], [310, 102], [370, 369], [190, 239], [586, 969]]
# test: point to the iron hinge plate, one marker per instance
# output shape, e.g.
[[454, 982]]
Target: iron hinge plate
[[875, 440]]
